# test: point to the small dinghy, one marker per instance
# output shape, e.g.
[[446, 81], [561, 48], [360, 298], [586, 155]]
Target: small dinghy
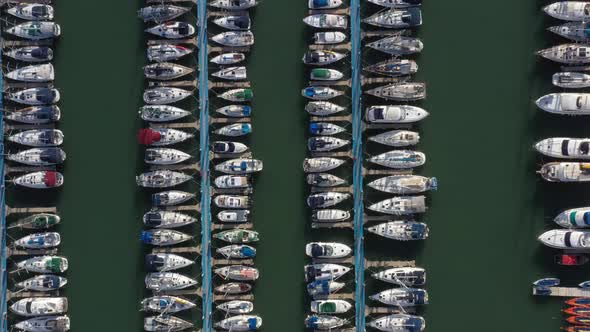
[[240, 323], [322, 288], [165, 71], [237, 95], [327, 250], [566, 148], [404, 184], [44, 264], [402, 297], [232, 201], [324, 74], [233, 216], [238, 273], [578, 311], [319, 272], [405, 91], [546, 282], [396, 3], [165, 95], [406, 276], [162, 136], [565, 172], [325, 128], [163, 237], [232, 182], [31, 11], [39, 157], [323, 4], [228, 147], [400, 205], [39, 241], [234, 130], [323, 322], [235, 111], [233, 288], [234, 38], [162, 113], [167, 52], [396, 18], [226, 59], [161, 13], [236, 307], [326, 21], [40, 306], [397, 138], [574, 31], [172, 30], [326, 199], [323, 108], [571, 80], [167, 219], [35, 30], [231, 73], [237, 251], [330, 215], [237, 236], [234, 22], [30, 53], [166, 303], [325, 143], [584, 284], [35, 96], [161, 179], [321, 164], [395, 114], [43, 283], [328, 37], [38, 137], [330, 306], [33, 73], [322, 58], [570, 260], [165, 262], [399, 159], [165, 323], [166, 281], [565, 103], [398, 45], [567, 53], [401, 230], [240, 166], [565, 239], [394, 67], [34, 114], [320, 93], [37, 221], [171, 197], [165, 156], [44, 324], [233, 4], [574, 218], [399, 323], [40, 180], [569, 10], [324, 180]]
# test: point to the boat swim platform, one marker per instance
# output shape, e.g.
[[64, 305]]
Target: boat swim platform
[[21, 43], [30, 252], [177, 250], [26, 169], [565, 292], [176, 125], [179, 167], [347, 189], [228, 49], [32, 210], [219, 227], [331, 47], [9, 127], [387, 171], [222, 262], [339, 11], [9, 85], [341, 154], [173, 84], [320, 225], [193, 41], [195, 207], [340, 118], [346, 83]]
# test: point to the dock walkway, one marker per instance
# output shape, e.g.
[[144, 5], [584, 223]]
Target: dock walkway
[[565, 292]]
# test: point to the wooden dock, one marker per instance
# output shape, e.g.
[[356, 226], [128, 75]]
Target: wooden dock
[[177, 250], [179, 167], [230, 297], [387, 172], [219, 227], [565, 292], [343, 224], [370, 264], [11, 210], [192, 41], [232, 191], [177, 125], [348, 189], [383, 310], [341, 154], [30, 252], [383, 33], [336, 296], [196, 207], [15, 2], [22, 294], [229, 155], [183, 292], [169, 1], [341, 118], [9, 85], [9, 127], [228, 85], [226, 49], [345, 83], [173, 84], [226, 13], [381, 80], [228, 120], [223, 262], [21, 43], [27, 169], [330, 47], [340, 11], [367, 218], [371, 126]]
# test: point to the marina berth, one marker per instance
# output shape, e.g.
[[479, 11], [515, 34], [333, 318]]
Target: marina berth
[[30, 53], [399, 323], [161, 179], [240, 166], [233, 288], [571, 80], [404, 184], [326, 21], [44, 324], [323, 108], [167, 52], [229, 147], [35, 96], [166, 281], [405, 276], [233, 4], [397, 45], [34, 114], [39, 241], [231, 73], [234, 38], [319, 272], [324, 74], [237, 251], [328, 37], [330, 215], [327, 250], [31, 11], [165, 156], [326, 199], [40, 180], [162, 136], [238, 273], [401, 230], [565, 172], [235, 111], [165, 323], [165, 71], [396, 18], [44, 264], [402, 297], [161, 13], [240, 323], [323, 322], [43, 283], [396, 3], [232, 201], [35, 30], [566, 239], [32, 73], [322, 288], [234, 130], [400, 205], [239, 307], [575, 31], [574, 218], [171, 197], [233, 216], [166, 303], [172, 30], [567, 54], [569, 10], [321, 164], [237, 236], [322, 58], [38, 137], [234, 22], [394, 114], [38, 221], [563, 147], [405, 91], [399, 159], [163, 237], [330, 306], [325, 128], [165, 262], [393, 67], [167, 219], [232, 181], [325, 143], [323, 4], [396, 138], [565, 103], [324, 180], [40, 306], [165, 95], [162, 113], [225, 59], [238, 95], [39, 156]]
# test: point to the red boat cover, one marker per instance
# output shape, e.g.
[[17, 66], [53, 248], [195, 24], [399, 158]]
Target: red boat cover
[[50, 179], [568, 260], [148, 136]]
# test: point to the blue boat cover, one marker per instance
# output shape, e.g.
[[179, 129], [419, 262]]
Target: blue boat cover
[[246, 110], [310, 92], [315, 128], [52, 155], [321, 287], [433, 183], [311, 322], [320, 3], [246, 128], [586, 218], [252, 323], [244, 165], [41, 52], [418, 230], [147, 237], [163, 304], [414, 324], [248, 252]]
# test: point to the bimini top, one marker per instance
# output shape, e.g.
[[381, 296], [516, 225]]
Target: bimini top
[[52, 155], [148, 136], [50, 178]]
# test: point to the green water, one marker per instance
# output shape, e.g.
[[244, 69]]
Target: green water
[[482, 77]]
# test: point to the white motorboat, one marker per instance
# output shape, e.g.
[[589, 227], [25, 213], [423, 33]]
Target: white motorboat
[[404, 184], [323, 322], [234, 38], [398, 45], [161, 179], [163, 237], [226, 147], [165, 323], [167, 52], [397, 138], [325, 74], [165, 95], [325, 128], [161, 13], [399, 323], [393, 67], [31, 11], [565, 172], [232, 201], [319, 272], [39, 241], [321, 58], [328, 37], [231, 73], [226, 59], [237, 95], [166, 281], [240, 166], [326, 199], [42, 283], [571, 80], [321, 164], [166, 303], [165, 156], [323, 288], [324, 180], [172, 30], [240, 323], [574, 218], [565, 103], [323, 4], [239, 307], [563, 147], [35, 30], [234, 130], [171, 197], [402, 297], [330, 306], [162, 136], [162, 113], [327, 250], [325, 143], [326, 21], [167, 219], [401, 230], [575, 31], [235, 111], [237, 251], [567, 53], [399, 159], [395, 114], [238, 273], [44, 264], [234, 22], [232, 182], [404, 91], [233, 4], [165, 71], [566, 239], [44, 324], [396, 18], [35, 96], [405, 276], [40, 180], [163, 262], [396, 3], [330, 215], [320, 93], [569, 10], [39, 156], [400, 205], [33, 73], [30, 53], [34, 114], [38, 137], [323, 108], [40, 306], [233, 216]]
